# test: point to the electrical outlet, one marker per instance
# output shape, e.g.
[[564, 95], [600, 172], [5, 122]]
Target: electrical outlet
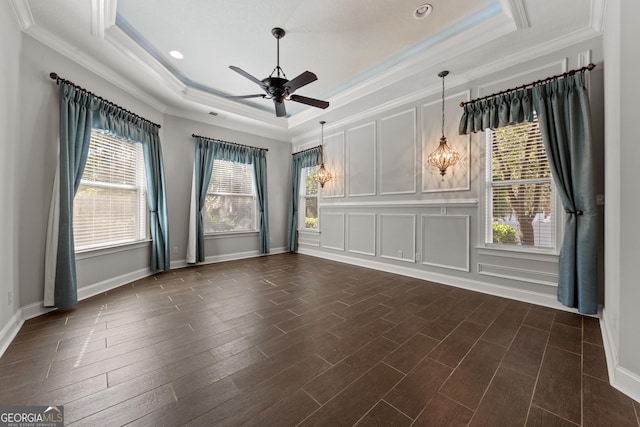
[[600, 199], [399, 254], [9, 298], [418, 256], [175, 249]]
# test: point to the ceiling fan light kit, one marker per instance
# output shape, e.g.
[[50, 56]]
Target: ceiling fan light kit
[[278, 87]]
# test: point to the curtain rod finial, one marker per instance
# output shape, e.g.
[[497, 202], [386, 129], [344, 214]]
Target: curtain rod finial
[[54, 76]]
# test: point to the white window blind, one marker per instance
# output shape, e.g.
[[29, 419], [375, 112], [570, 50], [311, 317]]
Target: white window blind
[[308, 209], [110, 205], [520, 191], [231, 198]]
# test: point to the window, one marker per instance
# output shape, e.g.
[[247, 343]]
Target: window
[[309, 198], [520, 191], [110, 206], [231, 198]]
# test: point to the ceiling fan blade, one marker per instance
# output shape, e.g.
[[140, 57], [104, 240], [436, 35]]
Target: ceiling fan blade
[[257, 95], [299, 81], [247, 75], [309, 101], [281, 111]]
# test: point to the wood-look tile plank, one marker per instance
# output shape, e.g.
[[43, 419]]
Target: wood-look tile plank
[[594, 362], [470, 379], [353, 402], [300, 334], [405, 330], [559, 384], [383, 415], [417, 389], [452, 349], [130, 409], [569, 319], [359, 320], [566, 337], [604, 405], [505, 327], [210, 374], [526, 351], [443, 412], [334, 380], [246, 405], [286, 412], [409, 354], [540, 418], [67, 394], [539, 318], [591, 332], [506, 401]]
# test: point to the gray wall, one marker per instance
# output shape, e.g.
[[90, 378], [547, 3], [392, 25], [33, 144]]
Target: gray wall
[[388, 209], [10, 45], [35, 159], [621, 316]]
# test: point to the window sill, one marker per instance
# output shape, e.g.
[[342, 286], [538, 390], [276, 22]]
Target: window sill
[[227, 234], [107, 250], [528, 253]]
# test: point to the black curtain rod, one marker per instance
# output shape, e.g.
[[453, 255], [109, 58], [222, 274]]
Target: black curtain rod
[[59, 79], [227, 142], [537, 82], [308, 149]]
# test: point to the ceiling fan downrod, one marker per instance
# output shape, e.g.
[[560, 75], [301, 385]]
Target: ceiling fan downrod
[[278, 33]]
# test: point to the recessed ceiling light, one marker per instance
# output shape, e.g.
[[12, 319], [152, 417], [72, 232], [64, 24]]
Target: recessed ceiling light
[[176, 54], [422, 11], [213, 113]]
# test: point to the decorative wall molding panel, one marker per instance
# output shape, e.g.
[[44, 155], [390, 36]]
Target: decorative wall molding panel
[[361, 229], [521, 274], [361, 160], [445, 241], [332, 235], [398, 237], [334, 162], [461, 203], [457, 177], [397, 145]]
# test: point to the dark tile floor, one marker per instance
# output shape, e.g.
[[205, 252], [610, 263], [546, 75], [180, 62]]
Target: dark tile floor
[[294, 340]]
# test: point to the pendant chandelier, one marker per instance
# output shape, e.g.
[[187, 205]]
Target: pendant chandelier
[[323, 175], [443, 157]]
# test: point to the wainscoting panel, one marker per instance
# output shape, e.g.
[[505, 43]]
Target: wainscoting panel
[[445, 241], [522, 274], [457, 176], [398, 237], [361, 160], [398, 153], [362, 233], [334, 162], [332, 231]]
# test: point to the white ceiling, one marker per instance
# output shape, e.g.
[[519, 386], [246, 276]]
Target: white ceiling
[[364, 52]]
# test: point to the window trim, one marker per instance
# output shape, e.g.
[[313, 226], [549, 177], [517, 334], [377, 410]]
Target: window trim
[[142, 222], [302, 206], [212, 234], [486, 228]]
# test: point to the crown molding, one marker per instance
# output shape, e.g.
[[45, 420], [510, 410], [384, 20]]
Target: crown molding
[[98, 68], [598, 8], [23, 14], [103, 16], [517, 11], [495, 27]]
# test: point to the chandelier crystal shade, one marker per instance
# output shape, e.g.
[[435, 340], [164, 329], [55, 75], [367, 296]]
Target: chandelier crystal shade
[[323, 175], [443, 157]]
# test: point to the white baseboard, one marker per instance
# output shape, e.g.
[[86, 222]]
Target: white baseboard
[[112, 283], [229, 257], [537, 298], [619, 377], [10, 330]]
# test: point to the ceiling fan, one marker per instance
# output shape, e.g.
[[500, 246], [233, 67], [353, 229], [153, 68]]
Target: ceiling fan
[[277, 87]]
